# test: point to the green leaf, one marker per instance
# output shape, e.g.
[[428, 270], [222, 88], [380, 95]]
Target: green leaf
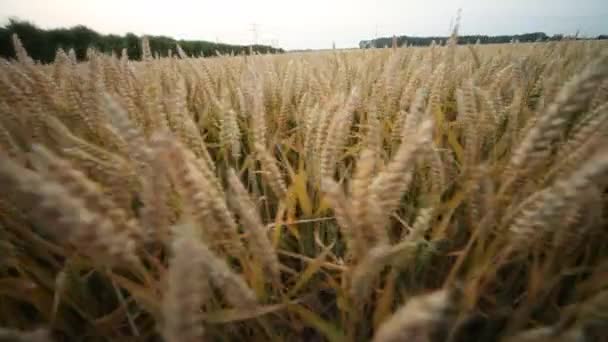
[[331, 332]]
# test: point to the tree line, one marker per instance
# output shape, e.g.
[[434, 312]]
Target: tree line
[[471, 39], [42, 44]]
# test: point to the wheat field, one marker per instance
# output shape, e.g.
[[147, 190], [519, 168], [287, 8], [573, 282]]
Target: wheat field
[[448, 193]]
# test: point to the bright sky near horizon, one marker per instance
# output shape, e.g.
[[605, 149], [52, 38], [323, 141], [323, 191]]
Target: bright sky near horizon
[[312, 24]]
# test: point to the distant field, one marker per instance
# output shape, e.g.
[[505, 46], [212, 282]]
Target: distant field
[[452, 193]]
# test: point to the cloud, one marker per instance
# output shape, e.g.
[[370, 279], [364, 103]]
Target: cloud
[[312, 23]]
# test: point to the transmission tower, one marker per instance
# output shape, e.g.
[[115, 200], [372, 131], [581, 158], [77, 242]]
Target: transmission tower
[[254, 31]]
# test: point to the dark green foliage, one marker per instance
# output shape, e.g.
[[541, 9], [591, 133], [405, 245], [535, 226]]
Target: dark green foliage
[[42, 44], [472, 39]]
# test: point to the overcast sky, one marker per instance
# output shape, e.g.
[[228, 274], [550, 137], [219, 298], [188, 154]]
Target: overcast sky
[[311, 23]]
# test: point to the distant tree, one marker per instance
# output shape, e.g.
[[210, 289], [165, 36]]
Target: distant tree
[[470, 39], [42, 45]]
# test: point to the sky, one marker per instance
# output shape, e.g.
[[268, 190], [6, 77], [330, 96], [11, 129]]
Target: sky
[[311, 24]]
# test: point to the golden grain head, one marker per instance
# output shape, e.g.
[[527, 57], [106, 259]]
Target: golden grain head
[[306, 196]]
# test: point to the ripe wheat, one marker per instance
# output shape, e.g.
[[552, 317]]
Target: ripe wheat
[[428, 194]]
